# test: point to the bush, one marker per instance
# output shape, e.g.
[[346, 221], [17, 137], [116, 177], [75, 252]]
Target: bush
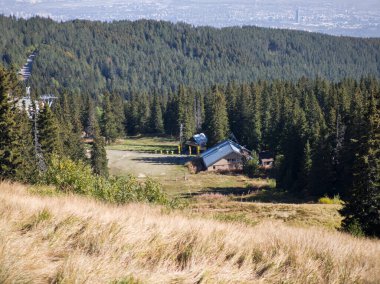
[[69, 176], [328, 200], [355, 229], [77, 177], [251, 167]]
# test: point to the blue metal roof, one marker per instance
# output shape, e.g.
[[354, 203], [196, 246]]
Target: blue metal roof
[[200, 139], [219, 151]]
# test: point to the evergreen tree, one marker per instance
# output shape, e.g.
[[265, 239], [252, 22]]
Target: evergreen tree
[[266, 117], [186, 112], [90, 119], [216, 120], [255, 136], [9, 131], [171, 116], [78, 152], [362, 207], [352, 135], [243, 116], [143, 114], [231, 97], [293, 148], [304, 175], [48, 135], [131, 116], [99, 160], [198, 111], [27, 169], [109, 128], [117, 103], [67, 112], [156, 122], [321, 173]]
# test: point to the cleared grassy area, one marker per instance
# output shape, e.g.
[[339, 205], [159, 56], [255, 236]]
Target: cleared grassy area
[[228, 198], [145, 144], [72, 239], [170, 171], [224, 208]]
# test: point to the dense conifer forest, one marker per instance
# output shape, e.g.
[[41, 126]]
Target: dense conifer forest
[[125, 56]]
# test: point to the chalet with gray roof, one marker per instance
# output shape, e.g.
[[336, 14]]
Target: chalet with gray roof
[[225, 156]]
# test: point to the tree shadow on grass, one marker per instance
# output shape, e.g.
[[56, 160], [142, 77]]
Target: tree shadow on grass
[[164, 160], [273, 195], [228, 191], [249, 194], [154, 147]]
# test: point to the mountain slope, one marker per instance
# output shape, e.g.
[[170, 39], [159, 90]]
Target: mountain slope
[[67, 239], [142, 55]]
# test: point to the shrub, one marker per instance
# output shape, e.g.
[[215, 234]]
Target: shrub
[[251, 167], [272, 183], [328, 200], [69, 176], [77, 177], [355, 229]]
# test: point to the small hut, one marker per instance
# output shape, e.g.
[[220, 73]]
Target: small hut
[[197, 144], [266, 160]]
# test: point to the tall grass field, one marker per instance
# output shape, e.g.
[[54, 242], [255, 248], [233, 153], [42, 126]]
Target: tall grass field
[[76, 239]]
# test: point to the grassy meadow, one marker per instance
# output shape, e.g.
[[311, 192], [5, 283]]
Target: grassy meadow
[[74, 239], [227, 198], [145, 144]]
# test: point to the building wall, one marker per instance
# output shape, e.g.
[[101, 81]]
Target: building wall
[[232, 162]]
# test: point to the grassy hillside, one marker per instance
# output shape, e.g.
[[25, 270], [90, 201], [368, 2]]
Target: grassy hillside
[[66, 239], [144, 55]]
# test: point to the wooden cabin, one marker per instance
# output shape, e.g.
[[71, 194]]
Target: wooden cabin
[[225, 156]]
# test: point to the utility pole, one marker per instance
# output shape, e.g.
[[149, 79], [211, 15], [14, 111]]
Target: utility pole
[[180, 138], [181, 134]]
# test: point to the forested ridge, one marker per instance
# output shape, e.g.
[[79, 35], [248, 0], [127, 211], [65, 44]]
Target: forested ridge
[[145, 55]]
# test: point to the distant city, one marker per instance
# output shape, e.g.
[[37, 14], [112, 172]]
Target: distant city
[[335, 17]]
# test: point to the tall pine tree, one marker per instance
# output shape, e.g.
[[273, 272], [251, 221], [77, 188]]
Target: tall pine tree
[[109, 127], [216, 120], [156, 122], [186, 115], [48, 135], [99, 160], [362, 207], [9, 131], [27, 169]]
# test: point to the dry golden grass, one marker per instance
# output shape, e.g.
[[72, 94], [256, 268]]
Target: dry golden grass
[[224, 208], [71, 239]]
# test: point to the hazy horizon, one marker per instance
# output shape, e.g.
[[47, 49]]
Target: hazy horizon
[[339, 17]]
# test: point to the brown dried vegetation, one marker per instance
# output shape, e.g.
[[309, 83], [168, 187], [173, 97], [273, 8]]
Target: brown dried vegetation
[[72, 239]]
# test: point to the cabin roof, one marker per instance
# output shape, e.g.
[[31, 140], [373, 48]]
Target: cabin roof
[[219, 151], [199, 139]]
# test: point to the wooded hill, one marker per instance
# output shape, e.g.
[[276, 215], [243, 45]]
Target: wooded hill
[[125, 56]]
